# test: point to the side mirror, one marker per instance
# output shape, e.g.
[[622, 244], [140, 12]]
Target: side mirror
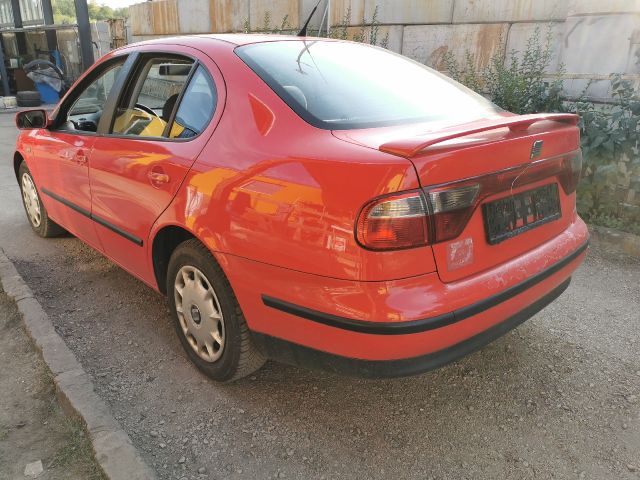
[[30, 119]]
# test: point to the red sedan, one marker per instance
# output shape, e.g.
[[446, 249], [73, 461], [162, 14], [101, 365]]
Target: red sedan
[[318, 202]]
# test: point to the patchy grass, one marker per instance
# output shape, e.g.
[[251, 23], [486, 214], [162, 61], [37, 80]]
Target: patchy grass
[[32, 424], [77, 451]]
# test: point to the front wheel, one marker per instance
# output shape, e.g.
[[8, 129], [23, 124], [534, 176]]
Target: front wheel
[[36, 213], [207, 316]]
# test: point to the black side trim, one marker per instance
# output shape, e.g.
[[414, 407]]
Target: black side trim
[[66, 202], [119, 231], [294, 354], [95, 218], [423, 325]]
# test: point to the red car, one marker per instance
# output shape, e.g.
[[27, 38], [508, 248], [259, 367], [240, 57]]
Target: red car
[[318, 202]]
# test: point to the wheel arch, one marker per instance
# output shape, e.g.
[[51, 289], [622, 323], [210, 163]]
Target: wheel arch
[[18, 158], [165, 241]]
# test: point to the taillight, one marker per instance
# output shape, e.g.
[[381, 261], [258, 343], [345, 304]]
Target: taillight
[[405, 220], [452, 206], [393, 222], [572, 170]]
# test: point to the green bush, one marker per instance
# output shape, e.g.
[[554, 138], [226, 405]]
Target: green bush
[[610, 134], [610, 142], [517, 84]]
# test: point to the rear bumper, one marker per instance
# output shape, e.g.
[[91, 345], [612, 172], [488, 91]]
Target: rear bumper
[[429, 323], [294, 354], [383, 328]]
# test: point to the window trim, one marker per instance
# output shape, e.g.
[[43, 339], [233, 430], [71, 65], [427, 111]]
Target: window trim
[[141, 58], [134, 82], [127, 74]]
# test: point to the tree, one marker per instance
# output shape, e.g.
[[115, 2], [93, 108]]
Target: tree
[[64, 11]]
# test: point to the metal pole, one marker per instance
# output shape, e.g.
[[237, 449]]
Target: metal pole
[[47, 13], [21, 39], [3, 72], [84, 33]]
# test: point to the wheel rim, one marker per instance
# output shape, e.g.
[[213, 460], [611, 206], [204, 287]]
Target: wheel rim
[[199, 313], [31, 200]]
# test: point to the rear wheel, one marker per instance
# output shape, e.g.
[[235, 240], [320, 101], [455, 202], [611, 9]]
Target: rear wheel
[[36, 213], [207, 317]]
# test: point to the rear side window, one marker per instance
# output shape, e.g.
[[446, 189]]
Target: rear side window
[[341, 85], [196, 107]]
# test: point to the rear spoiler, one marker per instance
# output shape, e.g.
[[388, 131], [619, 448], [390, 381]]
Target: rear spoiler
[[410, 147]]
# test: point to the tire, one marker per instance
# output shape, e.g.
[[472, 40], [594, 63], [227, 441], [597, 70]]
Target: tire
[[40, 223], [28, 98], [214, 317]]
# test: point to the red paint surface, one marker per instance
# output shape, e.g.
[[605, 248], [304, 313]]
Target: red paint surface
[[276, 200]]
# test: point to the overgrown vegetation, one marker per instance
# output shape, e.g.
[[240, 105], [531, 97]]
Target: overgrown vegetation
[[610, 144], [368, 32], [610, 134], [515, 82], [64, 12]]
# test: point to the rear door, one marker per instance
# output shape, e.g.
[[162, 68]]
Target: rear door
[[159, 126]]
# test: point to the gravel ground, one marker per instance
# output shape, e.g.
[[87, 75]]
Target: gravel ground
[[559, 397]]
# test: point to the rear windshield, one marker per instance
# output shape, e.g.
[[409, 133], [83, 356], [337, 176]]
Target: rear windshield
[[340, 85]]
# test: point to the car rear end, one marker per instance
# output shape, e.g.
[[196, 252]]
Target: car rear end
[[498, 212], [495, 208]]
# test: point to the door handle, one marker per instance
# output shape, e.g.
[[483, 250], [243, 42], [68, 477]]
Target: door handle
[[158, 178], [80, 158]]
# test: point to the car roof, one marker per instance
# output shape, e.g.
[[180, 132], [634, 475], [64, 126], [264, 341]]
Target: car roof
[[235, 39]]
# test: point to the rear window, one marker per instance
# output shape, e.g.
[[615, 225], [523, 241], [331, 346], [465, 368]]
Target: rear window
[[340, 85]]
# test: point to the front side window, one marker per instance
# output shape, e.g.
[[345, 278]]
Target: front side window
[[147, 105], [86, 111], [340, 85]]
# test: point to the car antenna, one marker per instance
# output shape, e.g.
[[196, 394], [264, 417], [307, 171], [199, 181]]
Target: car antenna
[[303, 32]]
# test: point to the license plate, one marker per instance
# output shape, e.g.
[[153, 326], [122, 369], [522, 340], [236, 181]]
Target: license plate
[[508, 217]]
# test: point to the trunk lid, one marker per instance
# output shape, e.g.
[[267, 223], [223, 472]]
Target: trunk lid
[[508, 156]]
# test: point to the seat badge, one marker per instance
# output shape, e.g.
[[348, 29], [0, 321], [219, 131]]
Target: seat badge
[[536, 149]]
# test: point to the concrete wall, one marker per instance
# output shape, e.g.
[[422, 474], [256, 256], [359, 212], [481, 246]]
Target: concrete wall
[[592, 38]]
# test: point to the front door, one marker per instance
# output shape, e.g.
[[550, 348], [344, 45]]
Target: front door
[[153, 139], [63, 154]]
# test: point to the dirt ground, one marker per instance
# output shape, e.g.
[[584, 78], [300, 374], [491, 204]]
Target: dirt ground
[[557, 398], [32, 426]]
